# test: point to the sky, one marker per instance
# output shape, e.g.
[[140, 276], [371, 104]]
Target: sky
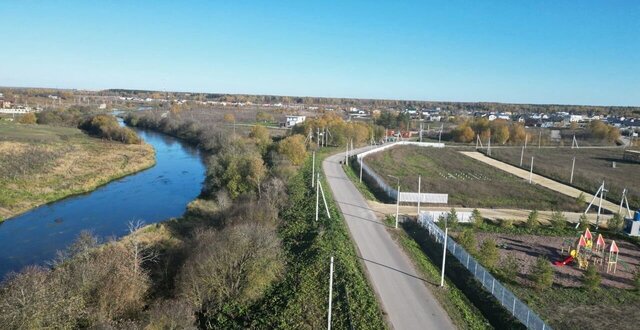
[[560, 52]]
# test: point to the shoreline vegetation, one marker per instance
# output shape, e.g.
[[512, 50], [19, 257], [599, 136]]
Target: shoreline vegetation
[[246, 253], [42, 164]]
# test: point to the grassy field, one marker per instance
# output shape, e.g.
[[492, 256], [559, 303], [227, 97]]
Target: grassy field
[[592, 167], [468, 182], [41, 164]]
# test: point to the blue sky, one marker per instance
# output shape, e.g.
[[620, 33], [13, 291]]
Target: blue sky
[[567, 52]]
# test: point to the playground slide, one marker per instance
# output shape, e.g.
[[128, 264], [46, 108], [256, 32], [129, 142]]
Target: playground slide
[[564, 262]]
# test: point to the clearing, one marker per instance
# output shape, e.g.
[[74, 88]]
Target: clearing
[[40, 164], [469, 183], [592, 167]]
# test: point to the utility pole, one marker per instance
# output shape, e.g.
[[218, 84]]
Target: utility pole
[[540, 139], [397, 199], [440, 135], [313, 169], [526, 137], [444, 255], [361, 169], [521, 156], [531, 171], [346, 154], [317, 196], [330, 293], [419, 194], [600, 206], [573, 165], [318, 136], [489, 146]]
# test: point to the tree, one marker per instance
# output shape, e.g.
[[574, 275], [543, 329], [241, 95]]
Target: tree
[[463, 133], [558, 220], [591, 278], [29, 118], [261, 135], [452, 219], [230, 267], [542, 274], [583, 222], [488, 253], [510, 268], [467, 239], [176, 109], [532, 220], [264, 117], [293, 148], [615, 222], [500, 131], [580, 200], [476, 218], [229, 118], [518, 133]]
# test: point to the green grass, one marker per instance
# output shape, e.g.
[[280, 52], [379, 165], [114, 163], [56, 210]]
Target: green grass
[[37, 133], [300, 300], [469, 183]]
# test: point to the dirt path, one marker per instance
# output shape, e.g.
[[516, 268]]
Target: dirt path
[[382, 209], [538, 179]]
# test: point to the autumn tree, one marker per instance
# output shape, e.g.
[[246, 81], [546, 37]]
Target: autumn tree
[[488, 253], [293, 149], [29, 118], [260, 135], [264, 117], [532, 220]]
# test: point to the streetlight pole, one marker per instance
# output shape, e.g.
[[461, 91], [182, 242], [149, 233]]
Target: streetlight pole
[[330, 293], [419, 195], [444, 255], [397, 199]]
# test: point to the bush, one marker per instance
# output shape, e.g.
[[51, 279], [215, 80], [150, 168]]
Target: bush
[[509, 268], [506, 223], [581, 200], [542, 274], [107, 127], [476, 218], [583, 222], [532, 220], [467, 239], [452, 219], [591, 278], [558, 221], [615, 223], [488, 253], [29, 119]]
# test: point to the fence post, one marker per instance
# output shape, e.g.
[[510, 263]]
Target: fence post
[[493, 283], [502, 299], [514, 306], [468, 255], [528, 312]]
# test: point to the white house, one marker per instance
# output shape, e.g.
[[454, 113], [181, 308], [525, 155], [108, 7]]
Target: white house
[[18, 110], [294, 120]]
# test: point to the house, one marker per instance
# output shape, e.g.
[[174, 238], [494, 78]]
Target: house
[[293, 120], [18, 110]]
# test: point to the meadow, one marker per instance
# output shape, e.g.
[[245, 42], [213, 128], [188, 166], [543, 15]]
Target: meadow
[[591, 168], [468, 182], [40, 164]]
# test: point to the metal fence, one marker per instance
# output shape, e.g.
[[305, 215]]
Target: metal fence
[[508, 300]]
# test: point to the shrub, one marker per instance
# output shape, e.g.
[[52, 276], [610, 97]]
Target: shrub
[[506, 223], [581, 200], [476, 218], [615, 223], [558, 221], [107, 127], [591, 278], [510, 268], [488, 253], [293, 148], [532, 220], [29, 118], [452, 219], [467, 239], [583, 222], [542, 274]]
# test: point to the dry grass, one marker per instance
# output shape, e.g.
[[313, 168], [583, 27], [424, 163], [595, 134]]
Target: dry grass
[[468, 182], [592, 167], [53, 163]]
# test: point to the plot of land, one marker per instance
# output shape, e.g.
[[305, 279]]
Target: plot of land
[[566, 305], [468, 182], [40, 164], [592, 167]]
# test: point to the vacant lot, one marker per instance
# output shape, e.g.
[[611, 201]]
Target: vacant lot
[[566, 305], [468, 182], [40, 164], [592, 167]]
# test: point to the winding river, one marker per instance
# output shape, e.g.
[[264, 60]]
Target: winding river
[[153, 195]]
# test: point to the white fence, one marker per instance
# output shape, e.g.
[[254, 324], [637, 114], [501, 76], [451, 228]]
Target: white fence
[[506, 298], [435, 215], [409, 197]]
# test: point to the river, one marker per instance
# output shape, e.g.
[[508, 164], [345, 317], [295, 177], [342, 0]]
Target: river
[[158, 193]]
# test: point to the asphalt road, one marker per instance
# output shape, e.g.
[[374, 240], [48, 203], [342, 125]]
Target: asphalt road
[[402, 292]]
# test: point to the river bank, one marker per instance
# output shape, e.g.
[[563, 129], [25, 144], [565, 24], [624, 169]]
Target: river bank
[[42, 164]]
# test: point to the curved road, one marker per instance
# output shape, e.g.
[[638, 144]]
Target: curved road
[[405, 298]]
